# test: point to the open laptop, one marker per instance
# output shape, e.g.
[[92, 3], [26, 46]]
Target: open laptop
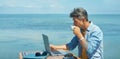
[[48, 49]]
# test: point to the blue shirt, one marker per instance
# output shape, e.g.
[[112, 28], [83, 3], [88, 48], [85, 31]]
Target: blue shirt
[[94, 38]]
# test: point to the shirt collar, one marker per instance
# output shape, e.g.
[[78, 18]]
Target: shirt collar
[[90, 26]]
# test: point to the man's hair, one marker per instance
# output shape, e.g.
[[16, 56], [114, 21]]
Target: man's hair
[[79, 13]]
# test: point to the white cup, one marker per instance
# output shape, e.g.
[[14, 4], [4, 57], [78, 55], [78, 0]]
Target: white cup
[[72, 27]]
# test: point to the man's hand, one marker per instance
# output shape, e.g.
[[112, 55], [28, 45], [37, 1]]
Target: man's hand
[[53, 48], [77, 31]]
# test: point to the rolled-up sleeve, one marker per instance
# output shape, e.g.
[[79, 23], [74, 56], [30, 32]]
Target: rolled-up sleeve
[[94, 42], [73, 43]]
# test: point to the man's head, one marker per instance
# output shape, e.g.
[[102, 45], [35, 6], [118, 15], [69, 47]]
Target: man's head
[[79, 16]]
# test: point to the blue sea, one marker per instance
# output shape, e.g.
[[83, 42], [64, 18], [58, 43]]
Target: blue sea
[[23, 32]]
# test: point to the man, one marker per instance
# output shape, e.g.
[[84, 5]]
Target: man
[[88, 37]]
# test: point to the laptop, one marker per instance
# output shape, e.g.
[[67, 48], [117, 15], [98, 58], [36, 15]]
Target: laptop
[[48, 49]]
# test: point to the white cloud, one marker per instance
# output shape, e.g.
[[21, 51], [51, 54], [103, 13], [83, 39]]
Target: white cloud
[[11, 5], [28, 6], [59, 5], [52, 5], [114, 2]]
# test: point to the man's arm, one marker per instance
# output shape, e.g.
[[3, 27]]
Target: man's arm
[[69, 46], [81, 38], [62, 47]]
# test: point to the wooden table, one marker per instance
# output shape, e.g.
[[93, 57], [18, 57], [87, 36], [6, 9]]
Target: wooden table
[[55, 57]]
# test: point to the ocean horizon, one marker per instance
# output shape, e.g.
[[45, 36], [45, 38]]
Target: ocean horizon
[[23, 32]]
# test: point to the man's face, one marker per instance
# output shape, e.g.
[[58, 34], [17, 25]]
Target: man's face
[[77, 22]]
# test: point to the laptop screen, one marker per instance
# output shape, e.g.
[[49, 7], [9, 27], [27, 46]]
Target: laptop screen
[[46, 43]]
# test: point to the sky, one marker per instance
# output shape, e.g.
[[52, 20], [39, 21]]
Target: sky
[[58, 6]]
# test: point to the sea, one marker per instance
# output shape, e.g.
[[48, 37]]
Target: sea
[[23, 33]]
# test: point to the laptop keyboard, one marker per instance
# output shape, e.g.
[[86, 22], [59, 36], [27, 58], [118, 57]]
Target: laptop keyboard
[[57, 52]]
